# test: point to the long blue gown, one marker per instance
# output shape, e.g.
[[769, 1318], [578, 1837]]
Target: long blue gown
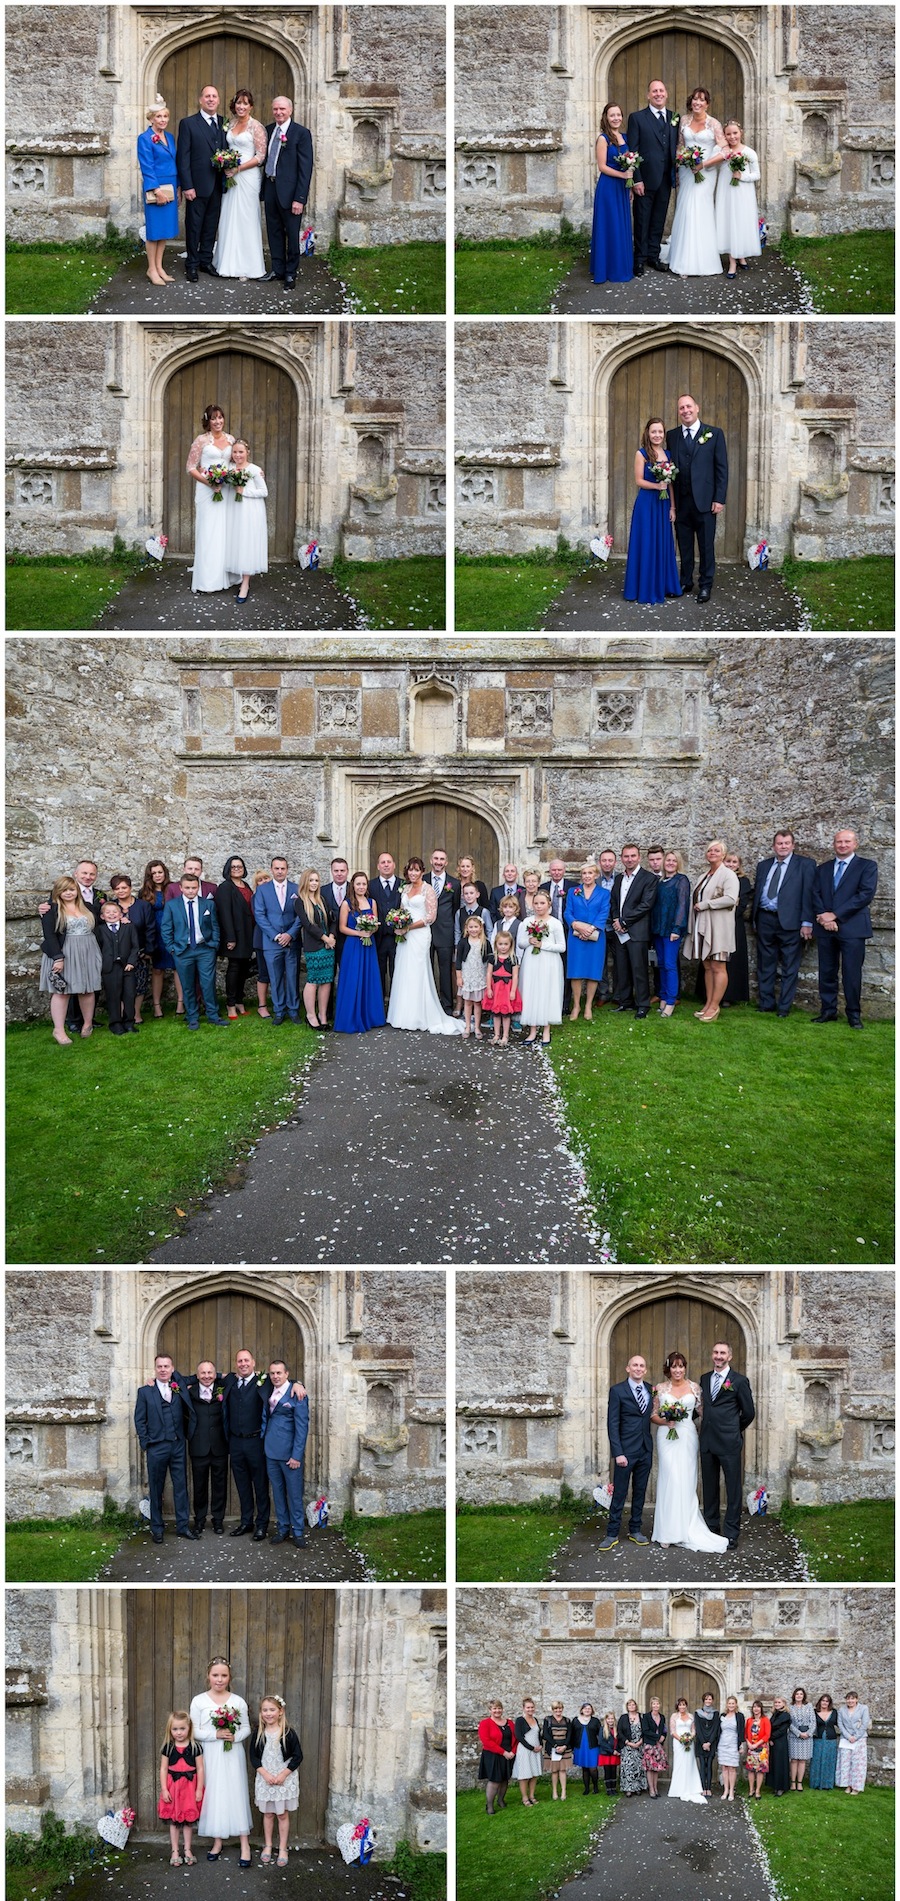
[[651, 571], [612, 244], [358, 1004]]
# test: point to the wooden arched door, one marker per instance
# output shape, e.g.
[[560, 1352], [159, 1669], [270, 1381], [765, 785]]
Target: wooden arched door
[[681, 1680], [437, 824], [260, 403], [215, 1327], [682, 60], [275, 1640], [674, 1323], [226, 61], [650, 385]]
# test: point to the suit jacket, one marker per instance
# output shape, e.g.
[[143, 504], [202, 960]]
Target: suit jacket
[[197, 142], [272, 920], [726, 1419], [794, 895], [174, 927], [635, 916], [568, 885], [284, 1431], [235, 919], [117, 947], [447, 906], [850, 902], [628, 1428], [209, 1431], [260, 1395], [151, 1412], [702, 472], [385, 901], [332, 905], [173, 890], [293, 173], [498, 892], [657, 144], [156, 161]]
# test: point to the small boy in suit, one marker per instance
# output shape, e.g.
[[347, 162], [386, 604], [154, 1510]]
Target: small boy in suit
[[120, 955]]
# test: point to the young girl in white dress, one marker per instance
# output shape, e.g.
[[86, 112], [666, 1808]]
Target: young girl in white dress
[[737, 212], [276, 1755], [226, 1804], [541, 971], [473, 962], [247, 544], [694, 245], [239, 250], [211, 509]]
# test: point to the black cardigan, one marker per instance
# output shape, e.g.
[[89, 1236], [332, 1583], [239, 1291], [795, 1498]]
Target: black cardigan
[[827, 1727], [577, 1729], [313, 929], [547, 1735], [623, 1728], [235, 920], [290, 1745], [521, 1726], [54, 940], [653, 1731]]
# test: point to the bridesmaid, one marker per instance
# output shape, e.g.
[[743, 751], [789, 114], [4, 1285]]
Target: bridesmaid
[[651, 571], [153, 891], [359, 1003], [737, 212], [612, 245]]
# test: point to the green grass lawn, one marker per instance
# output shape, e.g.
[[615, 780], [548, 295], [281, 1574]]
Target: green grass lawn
[[409, 1547], [520, 1855], [61, 279], [422, 1877], [61, 591], [514, 1544], [845, 1544], [66, 1550], [410, 594], [38, 1866], [511, 594], [384, 278], [848, 275], [845, 596], [516, 277], [830, 1842], [777, 1146], [108, 1139]]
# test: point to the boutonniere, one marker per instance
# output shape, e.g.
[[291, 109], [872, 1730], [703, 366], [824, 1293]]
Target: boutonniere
[[675, 119], [261, 1379], [173, 1386], [156, 138], [727, 1386], [706, 436], [283, 139]]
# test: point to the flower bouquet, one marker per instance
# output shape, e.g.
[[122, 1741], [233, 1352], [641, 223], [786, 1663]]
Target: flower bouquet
[[757, 1502], [157, 546], [218, 475], [227, 162], [317, 1512], [400, 922], [693, 160], [631, 163], [737, 165], [367, 926], [687, 1743], [238, 479], [226, 1722], [537, 929], [664, 472], [356, 1844], [674, 1411]]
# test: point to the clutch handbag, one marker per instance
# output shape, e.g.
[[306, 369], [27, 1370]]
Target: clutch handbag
[[163, 194]]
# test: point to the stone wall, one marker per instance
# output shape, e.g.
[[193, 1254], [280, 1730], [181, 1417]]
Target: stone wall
[[369, 81], [607, 1646], [535, 1360], [564, 747], [534, 421]]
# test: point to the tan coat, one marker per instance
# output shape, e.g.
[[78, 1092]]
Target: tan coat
[[712, 917]]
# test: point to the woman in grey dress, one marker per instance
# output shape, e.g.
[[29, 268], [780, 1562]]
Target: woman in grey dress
[[800, 1740], [731, 1742], [70, 960], [854, 1723]]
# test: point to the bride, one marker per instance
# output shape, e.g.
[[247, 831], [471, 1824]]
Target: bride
[[414, 1001], [210, 450], [694, 244], [678, 1519], [239, 250], [685, 1785]]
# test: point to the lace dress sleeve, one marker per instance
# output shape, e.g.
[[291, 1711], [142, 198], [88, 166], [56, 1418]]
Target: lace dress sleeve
[[260, 142], [430, 903], [698, 1395], [196, 450]]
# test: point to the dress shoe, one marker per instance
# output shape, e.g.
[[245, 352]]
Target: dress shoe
[[825, 1018], [289, 283], [766, 1009], [157, 1537], [687, 587], [239, 1530], [300, 1542], [218, 1528], [656, 264], [188, 1533], [280, 1538], [622, 1009], [209, 270], [703, 595], [639, 270], [732, 1544], [198, 1525], [191, 277], [272, 277], [855, 1023], [259, 1536], [640, 1014]]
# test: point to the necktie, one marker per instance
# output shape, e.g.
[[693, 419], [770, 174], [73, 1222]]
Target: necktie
[[192, 927], [777, 874], [840, 867], [715, 1384], [274, 148], [114, 927], [166, 1393], [641, 1398]]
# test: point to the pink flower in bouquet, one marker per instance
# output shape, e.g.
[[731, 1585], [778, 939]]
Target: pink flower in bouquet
[[226, 1722], [537, 929], [400, 922], [367, 926], [217, 476]]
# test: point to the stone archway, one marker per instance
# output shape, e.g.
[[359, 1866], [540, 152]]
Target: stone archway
[[649, 384], [261, 403], [421, 825], [683, 1676], [226, 60], [683, 57]]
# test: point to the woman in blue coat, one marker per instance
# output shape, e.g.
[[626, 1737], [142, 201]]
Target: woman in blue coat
[[587, 909], [156, 158]]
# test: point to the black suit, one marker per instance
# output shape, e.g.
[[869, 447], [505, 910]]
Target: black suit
[[243, 1413], [197, 141], [290, 185], [385, 941], [722, 1429], [629, 1436], [778, 931], [842, 952], [499, 892], [442, 936], [162, 1427], [208, 1450], [656, 140], [702, 479], [707, 1729], [632, 960], [118, 948]]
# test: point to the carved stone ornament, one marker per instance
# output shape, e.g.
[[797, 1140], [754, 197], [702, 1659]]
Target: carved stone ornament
[[338, 711], [481, 1436], [529, 712], [478, 485], [615, 713], [257, 710]]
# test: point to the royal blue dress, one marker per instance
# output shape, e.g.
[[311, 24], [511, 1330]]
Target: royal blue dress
[[584, 957], [157, 163], [612, 244], [651, 571], [358, 1004]]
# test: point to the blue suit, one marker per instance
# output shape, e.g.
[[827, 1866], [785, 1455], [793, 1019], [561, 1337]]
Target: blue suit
[[843, 951], [163, 1429], [274, 920], [629, 1437], [193, 960], [284, 1434], [778, 930]]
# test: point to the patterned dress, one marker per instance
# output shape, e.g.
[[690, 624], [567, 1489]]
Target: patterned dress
[[632, 1774]]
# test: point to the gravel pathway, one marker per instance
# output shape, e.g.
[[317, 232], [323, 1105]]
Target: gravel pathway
[[131, 294], [710, 1852], [405, 1148], [287, 598], [315, 1874], [770, 288], [225, 1560], [743, 601], [765, 1551]]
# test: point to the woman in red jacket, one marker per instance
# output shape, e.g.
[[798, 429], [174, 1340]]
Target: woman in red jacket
[[757, 1735], [497, 1753]]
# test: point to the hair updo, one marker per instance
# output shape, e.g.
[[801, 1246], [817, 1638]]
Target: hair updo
[[211, 410]]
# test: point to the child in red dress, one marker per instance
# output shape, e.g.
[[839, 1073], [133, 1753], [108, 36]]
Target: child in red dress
[[503, 983], [180, 1784]]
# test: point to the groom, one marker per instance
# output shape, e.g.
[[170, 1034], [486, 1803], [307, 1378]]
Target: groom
[[631, 1443], [728, 1410], [199, 136], [284, 185], [654, 133], [699, 490]]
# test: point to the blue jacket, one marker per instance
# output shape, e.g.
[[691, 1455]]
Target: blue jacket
[[284, 1431], [629, 1428], [157, 162], [794, 894], [174, 927], [270, 917], [150, 1415], [850, 902]]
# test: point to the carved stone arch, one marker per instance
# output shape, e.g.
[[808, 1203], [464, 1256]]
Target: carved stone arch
[[426, 793], [719, 29], [702, 1658], [195, 25]]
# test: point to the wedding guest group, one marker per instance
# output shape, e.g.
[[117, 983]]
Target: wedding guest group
[[699, 1752], [570, 944]]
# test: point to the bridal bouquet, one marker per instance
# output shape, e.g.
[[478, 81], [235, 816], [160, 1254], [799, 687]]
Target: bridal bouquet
[[687, 1742], [693, 159], [226, 1723], [227, 161], [366, 925], [218, 475], [630, 162], [664, 471], [536, 931], [736, 165], [400, 922], [238, 479], [674, 1411]]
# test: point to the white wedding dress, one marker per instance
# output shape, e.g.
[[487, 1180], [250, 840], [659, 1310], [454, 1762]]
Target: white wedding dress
[[211, 523], [247, 540], [678, 1519], [226, 1801], [414, 1001], [685, 1785], [239, 248], [694, 244]]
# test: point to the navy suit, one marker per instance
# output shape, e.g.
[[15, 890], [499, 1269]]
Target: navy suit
[[656, 140], [284, 1435], [163, 1429], [281, 961], [197, 142], [193, 961], [498, 893], [290, 185], [385, 941], [632, 960], [778, 931], [842, 952], [448, 904], [243, 1409], [722, 1426], [629, 1436], [702, 479]]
